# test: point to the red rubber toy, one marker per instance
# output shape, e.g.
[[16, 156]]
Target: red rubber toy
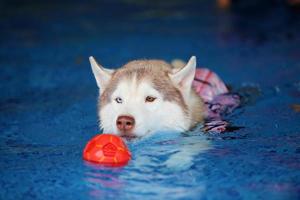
[[107, 149]]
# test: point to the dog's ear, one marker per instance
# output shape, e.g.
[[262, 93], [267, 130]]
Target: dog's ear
[[184, 77], [101, 74]]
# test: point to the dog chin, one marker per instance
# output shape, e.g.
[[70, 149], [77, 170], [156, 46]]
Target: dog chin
[[134, 135]]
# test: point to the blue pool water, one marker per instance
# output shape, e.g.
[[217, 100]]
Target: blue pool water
[[48, 99]]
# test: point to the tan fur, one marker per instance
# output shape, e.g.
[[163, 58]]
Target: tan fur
[[178, 63], [157, 72], [196, 105], [196, 109]]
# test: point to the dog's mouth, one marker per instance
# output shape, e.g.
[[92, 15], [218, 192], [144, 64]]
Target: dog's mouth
[[126, 134], [129, 137]]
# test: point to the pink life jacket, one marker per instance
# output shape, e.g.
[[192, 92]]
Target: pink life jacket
[[218, 101], [208, 85]]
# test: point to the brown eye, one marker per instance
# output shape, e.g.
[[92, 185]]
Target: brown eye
[[118, 100], [150, 99]]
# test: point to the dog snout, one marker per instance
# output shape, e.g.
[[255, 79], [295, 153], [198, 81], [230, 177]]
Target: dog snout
[[125, 123]]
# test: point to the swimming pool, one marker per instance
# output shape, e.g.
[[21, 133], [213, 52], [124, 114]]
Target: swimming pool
[[48, 101]]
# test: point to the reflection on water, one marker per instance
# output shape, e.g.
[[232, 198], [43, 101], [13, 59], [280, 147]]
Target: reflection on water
[[158, 161], [174, 165], [102, 180]]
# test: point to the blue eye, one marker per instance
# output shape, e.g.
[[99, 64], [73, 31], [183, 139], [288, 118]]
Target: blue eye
[[119, 100]]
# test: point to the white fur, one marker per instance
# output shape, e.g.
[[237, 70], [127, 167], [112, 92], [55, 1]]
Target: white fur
[[184, 77], [149, 117], [101, 74]]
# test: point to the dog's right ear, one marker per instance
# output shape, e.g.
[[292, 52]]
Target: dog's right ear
[[101, 74]]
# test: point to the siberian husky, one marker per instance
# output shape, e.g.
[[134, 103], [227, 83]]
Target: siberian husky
[[146, 96]]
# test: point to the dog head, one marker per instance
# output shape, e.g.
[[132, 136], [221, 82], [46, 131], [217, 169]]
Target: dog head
[[143, 97]]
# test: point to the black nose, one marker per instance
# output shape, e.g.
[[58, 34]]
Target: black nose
[[125, 123]]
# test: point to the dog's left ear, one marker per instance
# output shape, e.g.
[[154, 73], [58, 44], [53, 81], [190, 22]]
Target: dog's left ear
[[101, 74], [185, 76]]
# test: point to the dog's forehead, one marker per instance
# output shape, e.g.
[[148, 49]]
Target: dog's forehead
[[140, 71]]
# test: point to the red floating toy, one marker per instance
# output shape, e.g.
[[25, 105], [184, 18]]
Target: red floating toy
[[107, 149]]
